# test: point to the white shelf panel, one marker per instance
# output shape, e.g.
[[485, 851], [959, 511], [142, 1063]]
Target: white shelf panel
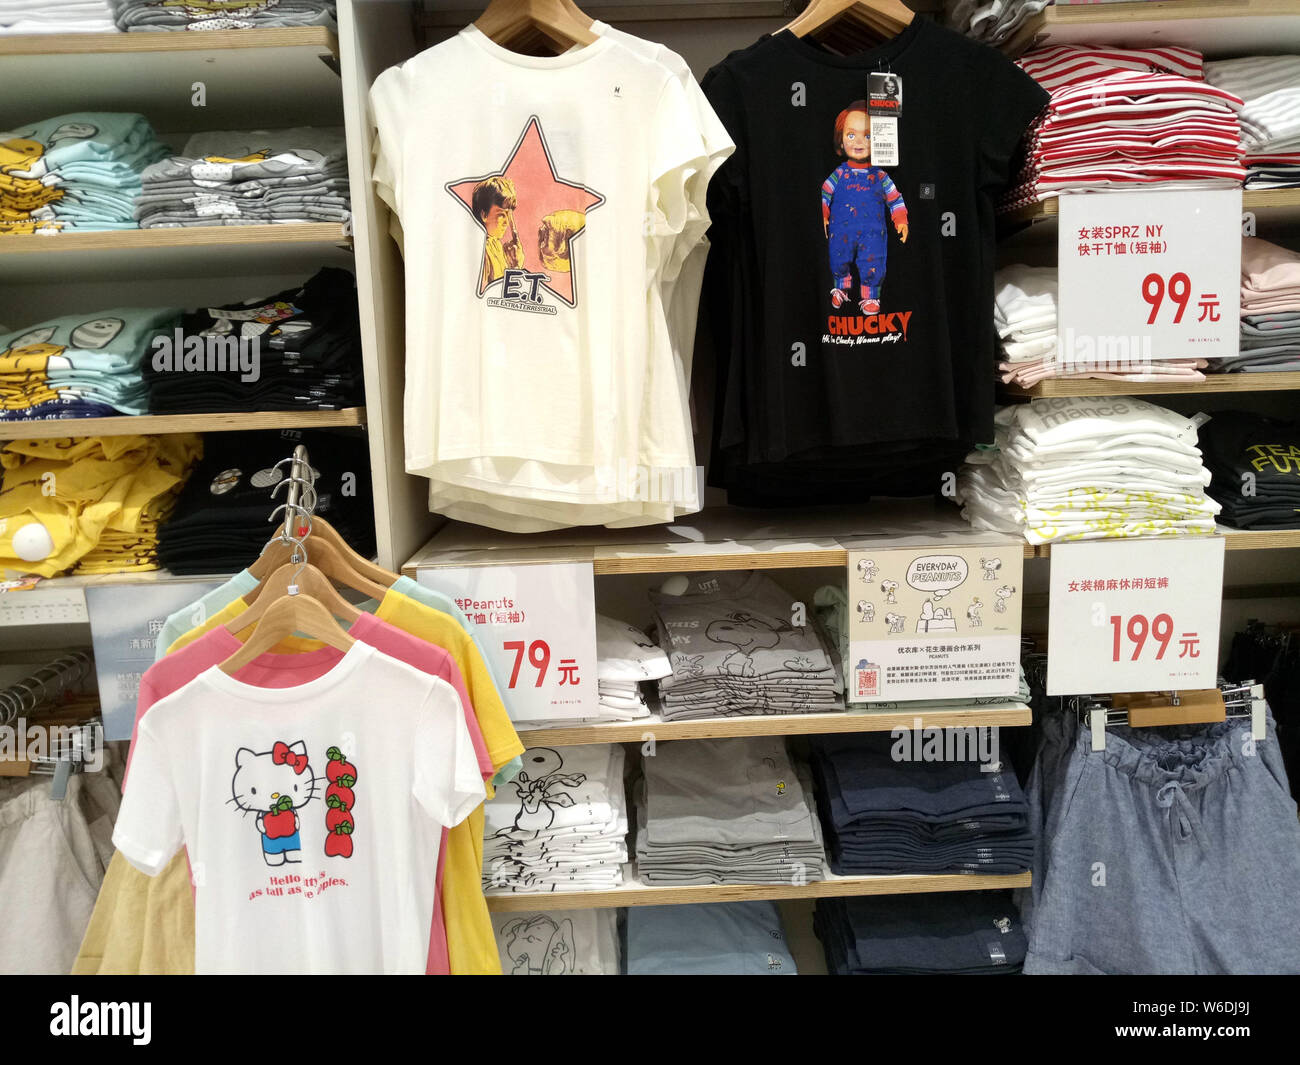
[[286, 76]]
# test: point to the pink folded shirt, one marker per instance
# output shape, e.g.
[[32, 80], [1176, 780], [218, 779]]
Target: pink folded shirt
[[173, 672]]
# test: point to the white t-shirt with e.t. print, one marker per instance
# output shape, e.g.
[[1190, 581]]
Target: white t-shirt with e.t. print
[[312, 814]]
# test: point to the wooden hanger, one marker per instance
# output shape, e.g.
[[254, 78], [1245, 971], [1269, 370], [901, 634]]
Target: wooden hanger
[[277, 552], [325, 557], [849, 18], [520, 24], [287, 615], [310, 581]]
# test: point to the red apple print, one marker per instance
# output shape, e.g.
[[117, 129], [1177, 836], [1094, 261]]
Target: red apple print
[[345, 796], [279, 820], [338, 844], [339, 770], [335, 817]]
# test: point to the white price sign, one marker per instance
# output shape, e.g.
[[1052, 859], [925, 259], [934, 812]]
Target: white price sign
[[1134, 615], [1149, 275], [536, 625]]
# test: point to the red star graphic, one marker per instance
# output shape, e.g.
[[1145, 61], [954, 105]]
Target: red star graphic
[[540, 197]]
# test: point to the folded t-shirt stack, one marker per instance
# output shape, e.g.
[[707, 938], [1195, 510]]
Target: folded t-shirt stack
[[75, 172], [1122, 118], [708, 939], [971, 933], [735, 811], [299, 349], [1085, 468], [1269, 86], [625, 657], [991, 21], [153, 15], [1270, 309], [734, 652], [1255, 462], [243, 178], [112, 492], [564, 943], [1025, 310], [81, 365], [884, 816], [220, 521], [55, 16], [560, 825]]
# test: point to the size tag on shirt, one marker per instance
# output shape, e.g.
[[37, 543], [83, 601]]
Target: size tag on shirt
[[884, 108]]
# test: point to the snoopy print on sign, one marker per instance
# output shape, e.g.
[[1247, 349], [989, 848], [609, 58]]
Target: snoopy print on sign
[[867, 570], [1003, 593], [866, 611], [889, 588], [991, 567]]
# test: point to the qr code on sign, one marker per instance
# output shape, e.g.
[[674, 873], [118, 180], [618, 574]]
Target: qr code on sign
[[868, 681]]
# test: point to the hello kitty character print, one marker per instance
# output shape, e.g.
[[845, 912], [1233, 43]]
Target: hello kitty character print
[[274, 785]]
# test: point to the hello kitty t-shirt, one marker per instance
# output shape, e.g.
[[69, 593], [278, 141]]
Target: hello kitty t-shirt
[[313, 814]]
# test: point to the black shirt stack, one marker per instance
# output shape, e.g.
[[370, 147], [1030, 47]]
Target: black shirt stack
[[970, 933], [850, 304], [308, 346], [883, 814], [1255, 464], [220, 522]]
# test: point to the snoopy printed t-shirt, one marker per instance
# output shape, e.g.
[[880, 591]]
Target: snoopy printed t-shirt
[[312, 815]]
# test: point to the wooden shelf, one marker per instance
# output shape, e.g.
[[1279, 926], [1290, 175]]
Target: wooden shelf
[[638, 894], [853, 720], [715, 539], [289, 75], [195, 251], [437, 16], [1225, 382], [62, 600], [1215, 27], [1237, 540], [1276, 205], [161, 424]]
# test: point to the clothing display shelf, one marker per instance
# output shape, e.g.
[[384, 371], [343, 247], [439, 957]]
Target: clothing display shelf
[[634, 893], [168, 253], [242, 71], [724, 538], [1215, 27], [251, 78], [155, 424], [1228, 382], [858, 719], [1237, 540], [1272, 207]]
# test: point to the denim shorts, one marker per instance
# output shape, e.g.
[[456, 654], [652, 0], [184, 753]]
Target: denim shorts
[[1174, 852]]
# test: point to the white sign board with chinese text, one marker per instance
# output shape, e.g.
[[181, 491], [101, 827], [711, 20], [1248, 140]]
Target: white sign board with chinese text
[[934, 621], [1145, 276], [125, 620], [1134, 615], [536, 626]]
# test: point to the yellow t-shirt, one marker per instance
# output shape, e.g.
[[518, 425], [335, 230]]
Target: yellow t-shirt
[[471, 946]]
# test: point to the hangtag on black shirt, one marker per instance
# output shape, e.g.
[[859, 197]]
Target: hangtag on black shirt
[[885, 108]]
